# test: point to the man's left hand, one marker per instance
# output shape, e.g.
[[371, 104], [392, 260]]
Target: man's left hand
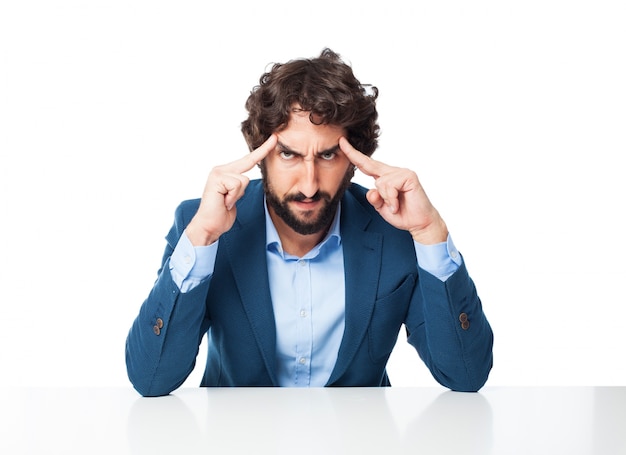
[[399, 197]]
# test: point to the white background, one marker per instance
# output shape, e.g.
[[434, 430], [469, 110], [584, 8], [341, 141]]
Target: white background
[[512, 113]]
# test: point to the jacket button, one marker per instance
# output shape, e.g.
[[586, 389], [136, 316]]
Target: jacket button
[[464, 322], [158, 326]]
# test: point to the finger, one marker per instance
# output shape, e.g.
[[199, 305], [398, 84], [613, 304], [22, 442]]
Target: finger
[[373, 197], [233, 189], [389, 194], [363, 162], [247, 162], [380, 199]]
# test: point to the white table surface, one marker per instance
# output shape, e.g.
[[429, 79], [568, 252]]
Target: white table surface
[[386, 421]]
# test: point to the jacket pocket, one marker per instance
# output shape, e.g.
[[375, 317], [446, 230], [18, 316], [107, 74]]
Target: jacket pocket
[[387, 318]]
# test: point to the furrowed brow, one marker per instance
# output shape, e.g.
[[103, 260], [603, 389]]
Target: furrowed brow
[[333, 149], [286, 149]]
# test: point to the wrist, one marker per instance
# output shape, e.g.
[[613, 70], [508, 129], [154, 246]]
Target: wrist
[[435, 232], [199, 236]]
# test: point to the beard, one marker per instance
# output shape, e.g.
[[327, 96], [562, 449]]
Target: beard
[[308, 223]]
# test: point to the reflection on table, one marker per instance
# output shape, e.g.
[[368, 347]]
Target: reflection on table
[[507, 420]]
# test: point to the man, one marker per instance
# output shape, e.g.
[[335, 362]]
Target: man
[[302, 278]]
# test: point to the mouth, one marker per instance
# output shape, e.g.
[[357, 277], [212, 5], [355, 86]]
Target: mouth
[[306, 205], [301, 202]]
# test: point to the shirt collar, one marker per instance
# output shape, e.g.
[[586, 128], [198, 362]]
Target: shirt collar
[[272, 241]]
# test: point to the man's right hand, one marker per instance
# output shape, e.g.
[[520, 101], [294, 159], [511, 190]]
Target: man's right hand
[[224, 186]]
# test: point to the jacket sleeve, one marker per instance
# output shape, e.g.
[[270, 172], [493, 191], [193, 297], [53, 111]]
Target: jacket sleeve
[[447, 326], [164, 339]]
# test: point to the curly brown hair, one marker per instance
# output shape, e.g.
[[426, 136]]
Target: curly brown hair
[[326, 88]]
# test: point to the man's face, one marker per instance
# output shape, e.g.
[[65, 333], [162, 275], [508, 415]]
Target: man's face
[[306, 175]]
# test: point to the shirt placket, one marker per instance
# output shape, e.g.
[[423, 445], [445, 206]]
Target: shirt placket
[[304, 329]]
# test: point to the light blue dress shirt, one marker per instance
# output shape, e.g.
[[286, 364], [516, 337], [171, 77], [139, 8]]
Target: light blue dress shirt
[[308, 296]]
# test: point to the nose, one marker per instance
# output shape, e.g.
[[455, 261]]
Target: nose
[[308, 184]]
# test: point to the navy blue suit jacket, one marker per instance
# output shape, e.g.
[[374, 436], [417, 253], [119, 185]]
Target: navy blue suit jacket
[[384, 290]]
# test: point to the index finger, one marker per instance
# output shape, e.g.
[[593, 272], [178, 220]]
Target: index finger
[[363, 162], [253, 158]]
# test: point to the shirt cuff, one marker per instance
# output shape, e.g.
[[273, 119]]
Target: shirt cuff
[[190, 265], [441, 259]]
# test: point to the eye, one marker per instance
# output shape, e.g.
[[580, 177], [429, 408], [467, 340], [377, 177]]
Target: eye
[[328, 156], [286, 155]]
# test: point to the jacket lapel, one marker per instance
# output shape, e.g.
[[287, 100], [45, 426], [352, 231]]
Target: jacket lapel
[[245, 246], [362, 262]]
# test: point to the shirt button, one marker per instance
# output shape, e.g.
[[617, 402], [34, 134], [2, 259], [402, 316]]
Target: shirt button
[[302, 360], [454, 254], [303, 313], [302, 263], [187, 259]]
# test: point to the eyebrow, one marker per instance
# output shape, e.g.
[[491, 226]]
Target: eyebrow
[[285, 148]]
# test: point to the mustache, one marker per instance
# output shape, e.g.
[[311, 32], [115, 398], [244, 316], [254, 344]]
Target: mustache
[[299, 197]]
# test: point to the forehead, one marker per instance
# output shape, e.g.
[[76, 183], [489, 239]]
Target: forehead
[[303, 135]]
